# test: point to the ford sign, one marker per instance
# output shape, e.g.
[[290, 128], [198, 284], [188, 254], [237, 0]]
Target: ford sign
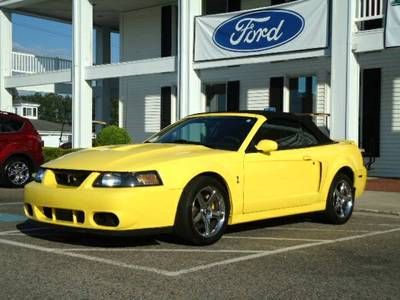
[[258, 30]]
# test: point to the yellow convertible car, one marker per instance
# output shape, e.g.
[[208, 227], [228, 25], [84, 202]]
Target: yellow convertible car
[[201, 174]]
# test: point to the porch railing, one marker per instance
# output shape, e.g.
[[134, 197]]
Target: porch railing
[[29, 63], [368, 10]]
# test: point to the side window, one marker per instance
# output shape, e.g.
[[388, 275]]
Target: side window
[[10, 126], [289, 134]]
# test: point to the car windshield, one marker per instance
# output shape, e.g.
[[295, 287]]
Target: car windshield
[[217, 132]]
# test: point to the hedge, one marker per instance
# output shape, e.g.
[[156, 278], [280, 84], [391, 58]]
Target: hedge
[[112, 135], [53, 153]]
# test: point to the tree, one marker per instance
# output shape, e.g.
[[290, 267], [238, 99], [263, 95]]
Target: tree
[[54, 108]]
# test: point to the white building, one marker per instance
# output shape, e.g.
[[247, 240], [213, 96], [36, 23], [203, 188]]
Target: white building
[[172, 66]]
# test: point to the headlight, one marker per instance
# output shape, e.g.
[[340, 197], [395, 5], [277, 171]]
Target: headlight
[[127, 179], [39, 175]]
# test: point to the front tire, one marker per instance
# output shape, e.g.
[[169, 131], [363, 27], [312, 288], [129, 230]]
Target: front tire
[[16, 172], [203, 211], [340, 202]]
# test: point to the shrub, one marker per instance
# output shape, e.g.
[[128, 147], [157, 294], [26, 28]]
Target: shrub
[[53, 153], [112, 135]]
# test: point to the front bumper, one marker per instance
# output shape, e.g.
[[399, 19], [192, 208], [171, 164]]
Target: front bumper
[[134, 208]]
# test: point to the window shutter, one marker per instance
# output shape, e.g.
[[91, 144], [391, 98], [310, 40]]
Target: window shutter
[[233, 96]]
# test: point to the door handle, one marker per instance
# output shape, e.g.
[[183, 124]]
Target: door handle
[[307, 158]]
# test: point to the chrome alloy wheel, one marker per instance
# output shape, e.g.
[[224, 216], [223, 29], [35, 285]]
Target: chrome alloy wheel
[[18, 173], [343, 199], [208, 212]]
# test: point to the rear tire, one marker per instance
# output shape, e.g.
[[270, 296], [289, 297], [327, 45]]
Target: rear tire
[[203, 211], [340, 202], [16, 172]]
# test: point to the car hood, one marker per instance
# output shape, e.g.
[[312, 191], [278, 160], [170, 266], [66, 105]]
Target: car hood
[[129, 157]]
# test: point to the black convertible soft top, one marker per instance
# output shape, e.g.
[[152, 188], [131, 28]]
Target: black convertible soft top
[[303, 119]]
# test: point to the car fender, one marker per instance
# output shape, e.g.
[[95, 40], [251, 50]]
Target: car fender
[[10, 154], [332, 171], [229, 173]]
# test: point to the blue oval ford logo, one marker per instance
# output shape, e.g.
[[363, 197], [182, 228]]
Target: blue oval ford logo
[[258, 30]]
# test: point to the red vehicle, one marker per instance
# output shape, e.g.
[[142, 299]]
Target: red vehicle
[[20, 150]]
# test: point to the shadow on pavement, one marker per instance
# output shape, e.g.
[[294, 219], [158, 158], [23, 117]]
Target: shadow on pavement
[[84, 238], [101, 239], [265, 224]]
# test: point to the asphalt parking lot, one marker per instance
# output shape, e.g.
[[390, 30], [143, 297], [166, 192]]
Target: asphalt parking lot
[[285, 258]]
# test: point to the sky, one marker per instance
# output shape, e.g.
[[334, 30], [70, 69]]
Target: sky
[[48, 38]]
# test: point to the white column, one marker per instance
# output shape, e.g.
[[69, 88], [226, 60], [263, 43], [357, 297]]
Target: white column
[[286, 95], [344, 73], [189, 83], [103, 56], [82, 23], [5, 59], [353, 81]]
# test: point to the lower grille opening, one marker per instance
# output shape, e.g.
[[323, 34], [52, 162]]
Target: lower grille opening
[[106, 219], [64, 215], [80, 216], [29, 209], [47, 212]]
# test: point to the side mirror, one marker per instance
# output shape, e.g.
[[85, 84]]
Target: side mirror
[[267, 146]]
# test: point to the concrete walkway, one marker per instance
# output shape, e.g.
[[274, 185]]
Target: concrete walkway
[[379, 202]]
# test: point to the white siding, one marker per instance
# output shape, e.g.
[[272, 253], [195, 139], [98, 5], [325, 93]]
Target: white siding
[[140, 95], [254, 80], [388, 165], [141, 34]]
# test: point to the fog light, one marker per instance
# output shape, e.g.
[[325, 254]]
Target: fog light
[[106, 219]]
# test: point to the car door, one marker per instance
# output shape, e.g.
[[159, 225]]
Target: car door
[[288, 177]]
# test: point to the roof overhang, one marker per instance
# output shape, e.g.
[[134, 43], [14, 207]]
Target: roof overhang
[[105, 12]]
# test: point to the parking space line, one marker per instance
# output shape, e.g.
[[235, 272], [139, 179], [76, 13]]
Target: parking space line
[[280, 250], [383, 225], [12, 232], [86, 257], [376, 215], [161, 250], [271, 238], [315, 229], [10, 203], [252, 256]]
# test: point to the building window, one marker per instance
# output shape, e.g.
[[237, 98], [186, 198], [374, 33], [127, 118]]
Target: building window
[[166, 31], [371, 112], [223, 97], [303, 94], [165, 117], [276, 93], [29, 112], [233, 96], [216, 97], [220, 6]]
